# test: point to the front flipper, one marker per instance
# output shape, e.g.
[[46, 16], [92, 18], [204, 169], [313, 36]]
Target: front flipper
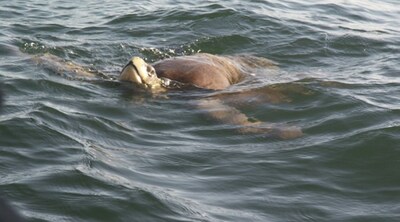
[[66, 68], [230, 115]]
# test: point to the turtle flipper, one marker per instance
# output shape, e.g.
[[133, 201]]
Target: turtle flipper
[[67, 69], [230, 115]]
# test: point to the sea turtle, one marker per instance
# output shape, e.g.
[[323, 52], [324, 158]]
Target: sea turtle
[[202, 70]]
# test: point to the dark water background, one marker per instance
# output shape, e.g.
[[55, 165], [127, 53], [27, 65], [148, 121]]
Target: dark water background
[[94, 151]]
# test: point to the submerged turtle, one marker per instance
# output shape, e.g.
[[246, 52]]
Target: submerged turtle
[[204, 71], [200, 70]]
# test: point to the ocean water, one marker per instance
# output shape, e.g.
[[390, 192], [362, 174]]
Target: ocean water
[[74, 150]]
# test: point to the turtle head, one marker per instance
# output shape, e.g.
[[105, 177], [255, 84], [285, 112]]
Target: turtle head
[[139, 72]]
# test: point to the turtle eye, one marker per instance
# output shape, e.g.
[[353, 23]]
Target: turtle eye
[[150, 70]]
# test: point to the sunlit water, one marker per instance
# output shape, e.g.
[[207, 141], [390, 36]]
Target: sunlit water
[[74, 150]]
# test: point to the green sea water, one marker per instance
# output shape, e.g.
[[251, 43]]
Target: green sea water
[[73, 150]]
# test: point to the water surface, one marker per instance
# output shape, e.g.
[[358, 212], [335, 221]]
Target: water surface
[[75, 150]]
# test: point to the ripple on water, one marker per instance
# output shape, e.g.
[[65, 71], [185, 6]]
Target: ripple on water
[[100, 151]]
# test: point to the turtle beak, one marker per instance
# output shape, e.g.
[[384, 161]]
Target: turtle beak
[[131, 72], [139, 72]]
